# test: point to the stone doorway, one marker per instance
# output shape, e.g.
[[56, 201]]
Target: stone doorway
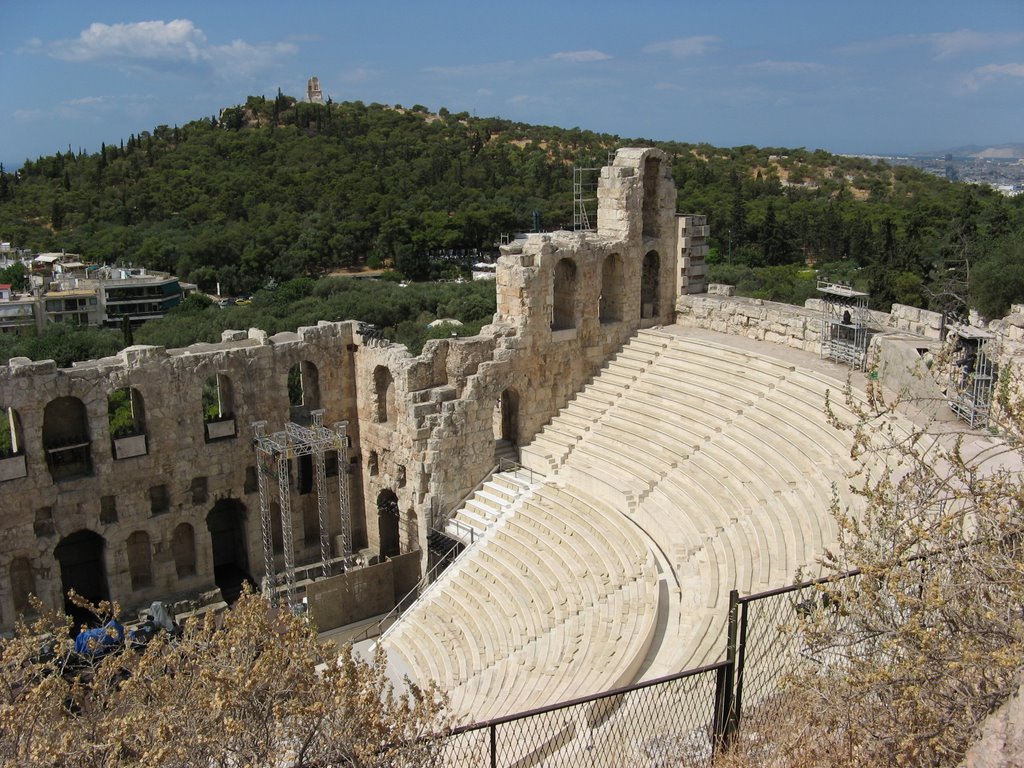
[[226, 523], [82, 569], [387, 524], [506, 425]]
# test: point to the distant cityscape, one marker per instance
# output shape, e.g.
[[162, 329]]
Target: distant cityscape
[[1000, 167]]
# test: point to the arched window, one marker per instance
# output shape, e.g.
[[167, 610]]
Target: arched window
[[127, 420], [564, 297], [23, 584], [66, 438], [140, 560], [611, 289], [384, 394], [304, 386], [218, 407], [649, 284], [183, 546]]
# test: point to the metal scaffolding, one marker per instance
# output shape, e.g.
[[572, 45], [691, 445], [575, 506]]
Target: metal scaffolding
[[273, 453], [972, 375], [844, 324], [584, 198]]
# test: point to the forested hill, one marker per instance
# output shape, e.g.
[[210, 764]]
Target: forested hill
[[276, 189]]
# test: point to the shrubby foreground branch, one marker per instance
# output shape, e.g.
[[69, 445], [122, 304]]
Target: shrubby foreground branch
[[252, 688]]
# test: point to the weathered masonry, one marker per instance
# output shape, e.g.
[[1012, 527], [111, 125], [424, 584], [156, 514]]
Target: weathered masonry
[[134, 477]]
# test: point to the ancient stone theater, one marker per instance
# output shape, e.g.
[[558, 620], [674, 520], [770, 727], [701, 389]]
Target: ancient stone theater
[[665, 445]]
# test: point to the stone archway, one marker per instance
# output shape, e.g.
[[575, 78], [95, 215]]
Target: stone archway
[[82, 568], [226, 523], [388, 523]]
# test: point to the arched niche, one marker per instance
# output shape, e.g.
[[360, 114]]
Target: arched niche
[[384, 394], [649, 286], [612, 289], [12, 446], [218, 405], [66, 438], [140, 560], [183, 547], [126, 417], [563, 302], [388, 523], [82, 569]]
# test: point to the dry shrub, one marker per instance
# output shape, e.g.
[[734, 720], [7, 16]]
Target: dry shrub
[[243, 691]]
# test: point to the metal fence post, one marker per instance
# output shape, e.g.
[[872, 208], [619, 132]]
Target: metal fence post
[[494, 745], [725, 701]]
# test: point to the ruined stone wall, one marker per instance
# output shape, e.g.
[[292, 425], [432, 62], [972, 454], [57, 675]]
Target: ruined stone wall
[[422, 428], [181, 476], [798, 327]]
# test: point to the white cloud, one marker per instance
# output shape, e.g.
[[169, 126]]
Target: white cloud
[[685, 46], [85, 101], [984, 75], [786, 67], [158, 45], [580, 56], [944, 45]]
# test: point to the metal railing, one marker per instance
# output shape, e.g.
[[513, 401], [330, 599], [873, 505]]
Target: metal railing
[[381, 628], [675, 720], [681, 719], [764, 636]]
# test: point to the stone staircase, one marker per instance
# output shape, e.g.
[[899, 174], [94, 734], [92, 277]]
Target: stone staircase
[[487, 505]]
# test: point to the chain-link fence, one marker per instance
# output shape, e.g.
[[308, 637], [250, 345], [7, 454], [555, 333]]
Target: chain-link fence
[[769, 648], [678, 720], [672, 721]]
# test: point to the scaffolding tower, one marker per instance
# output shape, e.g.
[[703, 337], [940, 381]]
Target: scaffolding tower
[[584, 198], [273, 453], [844, 324], [972, 375]]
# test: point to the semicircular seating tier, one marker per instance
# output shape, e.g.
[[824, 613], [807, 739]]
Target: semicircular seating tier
[[688, 467]]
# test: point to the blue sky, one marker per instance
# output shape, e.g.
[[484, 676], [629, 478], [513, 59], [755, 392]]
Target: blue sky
[[865, 76]]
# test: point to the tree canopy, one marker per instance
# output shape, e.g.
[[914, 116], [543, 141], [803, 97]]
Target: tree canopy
[[276, 188]]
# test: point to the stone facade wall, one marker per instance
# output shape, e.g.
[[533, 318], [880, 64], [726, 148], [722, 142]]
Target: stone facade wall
[[422, 428], [181, 476]]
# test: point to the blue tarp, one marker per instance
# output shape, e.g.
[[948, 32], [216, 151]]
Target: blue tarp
[[95, 642]]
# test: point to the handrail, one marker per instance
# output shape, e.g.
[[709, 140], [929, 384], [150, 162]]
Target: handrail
[[421, 587], [425, 581], [440, 522]]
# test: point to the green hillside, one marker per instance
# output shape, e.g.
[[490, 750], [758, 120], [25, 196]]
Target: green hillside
[[279, 189]]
